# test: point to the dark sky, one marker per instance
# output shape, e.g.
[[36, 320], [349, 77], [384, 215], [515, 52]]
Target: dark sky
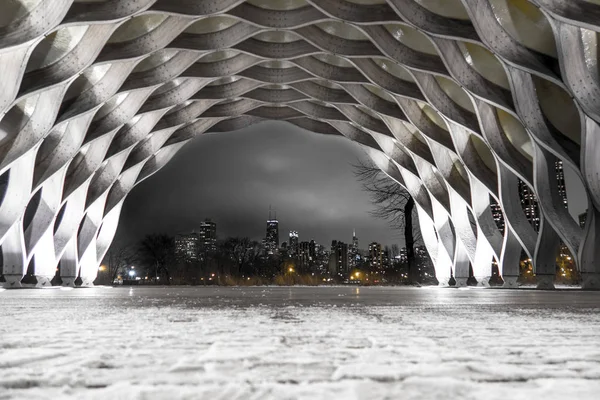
[[233, 177]]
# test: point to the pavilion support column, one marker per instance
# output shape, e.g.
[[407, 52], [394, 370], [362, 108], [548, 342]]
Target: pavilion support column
[[446, 240], [69, 266], [14, 266], [482, 268], [440, 258], [107, 232], [39, 234], [544, 261], [461, 265], [510, 258], [44, 260], [443, 265], [462, 226], [89, 267], [489, 237], [589, 251]]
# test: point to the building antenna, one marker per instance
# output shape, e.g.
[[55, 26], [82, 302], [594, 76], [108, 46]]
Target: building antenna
[[269, 212]]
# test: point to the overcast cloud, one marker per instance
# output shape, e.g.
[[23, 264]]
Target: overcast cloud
[[233, 177]]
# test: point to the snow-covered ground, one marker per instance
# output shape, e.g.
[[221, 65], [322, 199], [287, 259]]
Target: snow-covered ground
[[299, 343]]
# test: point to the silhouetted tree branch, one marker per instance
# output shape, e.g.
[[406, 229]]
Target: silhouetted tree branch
[[242, 251], [157, 252], [392, 203], [118, 259]]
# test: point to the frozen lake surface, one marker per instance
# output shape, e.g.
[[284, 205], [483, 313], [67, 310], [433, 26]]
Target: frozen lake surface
[[299, 343]]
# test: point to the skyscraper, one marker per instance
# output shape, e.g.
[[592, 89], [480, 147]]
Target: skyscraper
[[354, 256], [403, 256], [338, 258], [207, 236], [272, 237], [560, 177], [304, 255], [312, 250], [375, 256], [186, 247], [529, 201], [293, 247], [425, 268], [530, 205], [497, 214]]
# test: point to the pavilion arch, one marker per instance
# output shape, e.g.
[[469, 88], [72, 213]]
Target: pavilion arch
[[449, 100]]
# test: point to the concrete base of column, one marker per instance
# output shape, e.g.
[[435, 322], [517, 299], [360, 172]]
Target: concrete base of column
[[510, 282], [483, 281], [590, 281], [545, 282], [87, 282], [29, 281], [12, 281], [43, 281], [443, 281], [68, 281], [461, 282]]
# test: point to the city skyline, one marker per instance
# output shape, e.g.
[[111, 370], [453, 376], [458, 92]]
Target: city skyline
[[292, 235], [307, 178]]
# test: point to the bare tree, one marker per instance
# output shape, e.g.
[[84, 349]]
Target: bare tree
[[242, 251], [119, 258], [392, 203], [156, 253]]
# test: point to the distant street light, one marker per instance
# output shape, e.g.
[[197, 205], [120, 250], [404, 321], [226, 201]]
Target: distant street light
[[132, 273]]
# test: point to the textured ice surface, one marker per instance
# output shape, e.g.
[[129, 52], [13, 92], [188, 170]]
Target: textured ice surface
[[299, 343]]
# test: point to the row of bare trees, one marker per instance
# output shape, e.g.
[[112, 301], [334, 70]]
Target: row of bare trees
[[155, 258]]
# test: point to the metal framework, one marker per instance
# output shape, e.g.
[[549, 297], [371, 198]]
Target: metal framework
[[456, 100]]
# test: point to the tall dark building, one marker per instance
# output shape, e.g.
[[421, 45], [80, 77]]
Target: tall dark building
[[375, 256], [338, 258], [207, 236], [530, 205], [272, 237], [497, 214], [560, 177], [304, 254], [186, 247], [403, 256], [529, 201], [312, 250], [425, 268], [354, 256], [293, 247]]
